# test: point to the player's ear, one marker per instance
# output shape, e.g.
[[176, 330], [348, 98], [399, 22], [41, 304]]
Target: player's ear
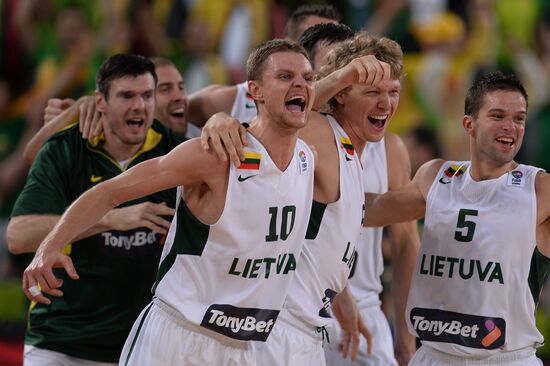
[[340, 97], [255, 91], [100, 101], [468, 124]]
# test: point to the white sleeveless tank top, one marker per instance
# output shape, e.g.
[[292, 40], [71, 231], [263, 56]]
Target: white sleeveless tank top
[[470, 293], [329, 251], [232, 277]]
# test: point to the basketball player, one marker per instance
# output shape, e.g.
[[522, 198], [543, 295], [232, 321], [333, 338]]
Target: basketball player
[[236, 235], [485, 246], [118, 257], [329, 252]]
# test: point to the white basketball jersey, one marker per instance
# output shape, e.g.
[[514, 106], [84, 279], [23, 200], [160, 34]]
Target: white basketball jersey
[[232, 277], [244, 108], [329, 251], [365, 283], [470, 292]]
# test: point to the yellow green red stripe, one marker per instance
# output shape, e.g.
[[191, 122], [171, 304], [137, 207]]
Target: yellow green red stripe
[[251, 161], [347, 145]]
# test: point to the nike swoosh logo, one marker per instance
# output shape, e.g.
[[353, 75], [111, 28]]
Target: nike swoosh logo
[[348, 159], [95, 178], [250, 106], [444, 181], [242, 179]]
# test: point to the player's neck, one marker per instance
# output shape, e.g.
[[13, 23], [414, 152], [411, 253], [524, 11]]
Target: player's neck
[[279, 142], [486, 170], [119, 150]]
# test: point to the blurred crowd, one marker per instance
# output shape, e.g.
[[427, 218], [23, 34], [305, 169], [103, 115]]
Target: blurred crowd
[[52, 48]]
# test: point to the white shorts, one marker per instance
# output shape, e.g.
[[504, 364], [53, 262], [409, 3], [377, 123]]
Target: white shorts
[[161, 336], [428, 356], [382, 343], [291, 343], [34, 356]]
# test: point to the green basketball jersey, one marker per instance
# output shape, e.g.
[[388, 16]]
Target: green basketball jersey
[[117, 268]]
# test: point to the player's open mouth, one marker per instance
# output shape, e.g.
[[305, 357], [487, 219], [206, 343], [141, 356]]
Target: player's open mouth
[[296, 103], [135, 122], [378, 121], [178, 112], [506, 140]]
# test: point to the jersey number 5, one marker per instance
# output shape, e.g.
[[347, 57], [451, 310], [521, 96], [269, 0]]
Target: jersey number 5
[[469, 225]]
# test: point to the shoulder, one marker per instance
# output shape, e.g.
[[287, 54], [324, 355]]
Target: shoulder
[[430, 168], [66, 142], [426, 174], [317, 130], [191, 155], [542, 184], [69, 134]]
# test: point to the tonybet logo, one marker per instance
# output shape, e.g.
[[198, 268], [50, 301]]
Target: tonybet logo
[[462, 329], [246, 324]]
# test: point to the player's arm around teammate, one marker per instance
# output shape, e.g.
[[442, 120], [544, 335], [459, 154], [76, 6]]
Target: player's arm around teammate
[[203, 172]]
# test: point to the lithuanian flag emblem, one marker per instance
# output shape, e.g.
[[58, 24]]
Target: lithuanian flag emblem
[[347, 145], [455, 171], [251, 161]]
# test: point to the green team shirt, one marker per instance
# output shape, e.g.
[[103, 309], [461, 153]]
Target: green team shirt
[[117, 268]]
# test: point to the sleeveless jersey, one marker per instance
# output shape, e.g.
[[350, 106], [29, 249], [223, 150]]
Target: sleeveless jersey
[[364, 282], [329, 251], [244, 108], [232, 277], [469, 293]]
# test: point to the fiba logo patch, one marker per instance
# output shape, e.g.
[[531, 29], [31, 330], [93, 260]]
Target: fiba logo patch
[[515, 178], [517, 174], [457, 328], [302, 158]]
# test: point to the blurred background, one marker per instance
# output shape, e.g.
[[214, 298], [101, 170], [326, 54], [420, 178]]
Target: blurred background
[[52, 48]]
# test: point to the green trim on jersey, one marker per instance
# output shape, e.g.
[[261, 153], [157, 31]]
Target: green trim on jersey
[[117, 268], [315, 219], [540, 265], [190, 239], [136, 335]]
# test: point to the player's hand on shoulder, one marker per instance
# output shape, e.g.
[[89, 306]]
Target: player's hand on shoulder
[[90, 121], [226, 136]]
